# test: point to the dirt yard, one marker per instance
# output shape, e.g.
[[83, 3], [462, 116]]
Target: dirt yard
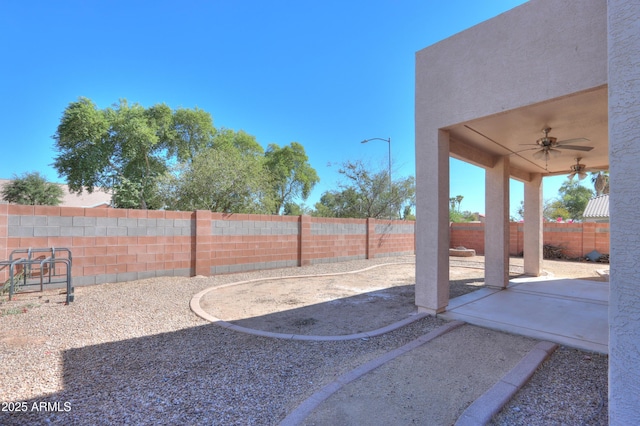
[[337, 304], [351, 303]]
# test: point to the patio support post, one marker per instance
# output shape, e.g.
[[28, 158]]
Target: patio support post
[[432, 225], [533, 226], [496, 236]]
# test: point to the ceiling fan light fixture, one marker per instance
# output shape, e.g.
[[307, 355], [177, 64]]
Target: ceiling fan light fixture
[[578, 169], [549, 146]]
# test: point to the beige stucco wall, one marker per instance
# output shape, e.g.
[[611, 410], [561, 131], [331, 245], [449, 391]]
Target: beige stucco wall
[[624, 201], [541, 50]]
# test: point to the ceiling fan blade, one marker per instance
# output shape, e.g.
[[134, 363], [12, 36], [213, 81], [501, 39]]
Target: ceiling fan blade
[[571, 175], [574, 147], [554, 153], [572, 140], [597, 169], [582, 175], [539, 155]]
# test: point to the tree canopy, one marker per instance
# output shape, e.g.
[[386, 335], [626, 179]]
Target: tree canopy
[[569, 205], [32, 189], [157, 157], [291, 174], [368, 193], [189, 132], [574, 198], [120, 148], [220, 180]]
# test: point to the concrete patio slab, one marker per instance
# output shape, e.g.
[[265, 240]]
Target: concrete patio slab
[[570, 312]]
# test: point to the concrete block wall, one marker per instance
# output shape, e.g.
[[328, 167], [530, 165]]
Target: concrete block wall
[[468, 235], [114, 245], [516, 238], [569, 236], [108, 245], [394, 238], [241, 242], [600, 237], [335, 240], [577, 239]]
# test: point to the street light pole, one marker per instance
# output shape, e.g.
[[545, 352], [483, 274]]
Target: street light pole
[[389, 142]]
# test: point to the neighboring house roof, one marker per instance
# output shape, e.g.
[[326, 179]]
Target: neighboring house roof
[[597, 207], [97, 198]]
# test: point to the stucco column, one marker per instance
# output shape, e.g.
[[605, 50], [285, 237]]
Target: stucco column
[[432, 220], [496, 228], [624, 150], [533, 226]]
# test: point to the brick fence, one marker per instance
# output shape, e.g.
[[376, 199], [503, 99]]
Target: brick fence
[[114, 245], [577, 239]]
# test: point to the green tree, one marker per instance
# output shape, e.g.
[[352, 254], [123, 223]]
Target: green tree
[[465, 216], [574, 198], [32, 189], [295, 209], [127, 195], [244, 143], [408, 214], [456, 201], [125, 148], [219, 180], [340, 203], [83, 146], [291, 175], [554, 210], [191, 131], [100, 148], [569, 205], [459, 199], [366, 193]]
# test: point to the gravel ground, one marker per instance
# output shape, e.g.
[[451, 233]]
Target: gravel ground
[[133, 353], [570, 388]]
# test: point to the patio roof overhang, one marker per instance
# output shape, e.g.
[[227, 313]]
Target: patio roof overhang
[[483, 141]]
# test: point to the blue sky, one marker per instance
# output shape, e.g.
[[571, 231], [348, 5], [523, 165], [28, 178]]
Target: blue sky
[[326, 74]]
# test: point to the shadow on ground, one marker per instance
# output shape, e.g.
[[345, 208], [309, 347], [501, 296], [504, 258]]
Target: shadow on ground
[[347, 315], [200, 375], [324, 306]]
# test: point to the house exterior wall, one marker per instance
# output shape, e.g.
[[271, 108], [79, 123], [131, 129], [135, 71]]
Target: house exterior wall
[[114, 245], [624, 199], [541, 50], [520, 69]]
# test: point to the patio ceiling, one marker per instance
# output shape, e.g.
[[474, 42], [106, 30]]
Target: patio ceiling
[[584, 115]]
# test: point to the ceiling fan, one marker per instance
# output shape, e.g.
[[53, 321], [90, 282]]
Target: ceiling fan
[[578, 169], [581, 170], [548, 146]]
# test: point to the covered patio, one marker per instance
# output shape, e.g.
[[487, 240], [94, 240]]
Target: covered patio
[[547, 88], [571, 312]]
